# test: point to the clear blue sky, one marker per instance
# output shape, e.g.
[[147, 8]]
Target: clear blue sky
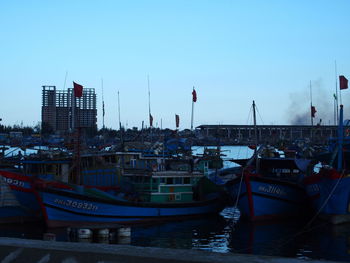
[[233, 52]]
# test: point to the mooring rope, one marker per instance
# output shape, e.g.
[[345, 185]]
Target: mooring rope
[[307, 228]]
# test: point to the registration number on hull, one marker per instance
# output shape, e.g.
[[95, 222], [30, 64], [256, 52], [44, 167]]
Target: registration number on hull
[[76, 204]]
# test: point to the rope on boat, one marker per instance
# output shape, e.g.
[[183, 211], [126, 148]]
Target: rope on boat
[[307, 228], [255, 155], [239, 190], [326, 201]]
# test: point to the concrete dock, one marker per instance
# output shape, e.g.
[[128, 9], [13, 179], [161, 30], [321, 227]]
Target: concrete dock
[[27, 251]]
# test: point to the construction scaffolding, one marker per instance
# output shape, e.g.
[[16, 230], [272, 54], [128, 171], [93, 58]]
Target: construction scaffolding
[[58, 113]]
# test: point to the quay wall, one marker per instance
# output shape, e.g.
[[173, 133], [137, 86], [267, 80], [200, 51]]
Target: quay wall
[[25, 250]]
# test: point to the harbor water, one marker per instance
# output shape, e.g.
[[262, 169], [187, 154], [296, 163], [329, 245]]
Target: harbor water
[[223, 233]]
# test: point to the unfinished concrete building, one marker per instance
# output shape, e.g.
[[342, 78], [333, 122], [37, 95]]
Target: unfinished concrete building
[[58, 114]]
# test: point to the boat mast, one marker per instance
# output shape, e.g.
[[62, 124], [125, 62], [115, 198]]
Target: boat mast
[[255, 128], [340, 140], [149, 108], [194, 99], [312, 118], [120, 125], [256, 136], [336, 92]]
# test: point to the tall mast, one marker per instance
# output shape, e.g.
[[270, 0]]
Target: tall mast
[[340, 140], [73, 110], [149, 99], [255, 128], [256, 137], [103, 107], [194, 99], [120, 125], [336, 91], [312, 119]]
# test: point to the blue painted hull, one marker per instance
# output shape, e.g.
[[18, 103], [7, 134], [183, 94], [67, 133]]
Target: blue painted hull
[[28, 208], [263, 198], [69, 208], [330, 197]]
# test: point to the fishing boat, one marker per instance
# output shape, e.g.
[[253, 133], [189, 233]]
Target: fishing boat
[[153, 196], [329, 188], [17, 200], [269, 186], [20, 172]]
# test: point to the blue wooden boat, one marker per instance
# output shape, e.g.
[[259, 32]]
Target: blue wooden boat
[[274, 192], [158, 196], [269, 186], [18, 201], [18, 173], [329, 188]]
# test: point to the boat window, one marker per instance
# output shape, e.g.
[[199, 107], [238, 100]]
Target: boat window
[[133, 163], [49, 168], [169, 180], [187, 180], [178, 180], [162, 180]]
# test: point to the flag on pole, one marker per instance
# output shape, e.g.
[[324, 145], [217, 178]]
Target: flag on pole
[[78, 90], [177, 120], [335, 96], [150, 120], [194, 95], [313, 111], [343, 82]]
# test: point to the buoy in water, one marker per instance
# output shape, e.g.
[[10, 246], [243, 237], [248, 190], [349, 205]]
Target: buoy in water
[[84, 233], [124, 232]]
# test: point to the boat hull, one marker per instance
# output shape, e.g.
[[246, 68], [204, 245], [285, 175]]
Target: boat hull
[[27, 208], [330, 196], [64, 208], [263, 198]]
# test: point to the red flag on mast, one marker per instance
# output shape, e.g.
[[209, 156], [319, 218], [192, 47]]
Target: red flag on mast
[[343, 82], [194, 95], [78, 90], [177, 120], [150, 120], [313, 111]]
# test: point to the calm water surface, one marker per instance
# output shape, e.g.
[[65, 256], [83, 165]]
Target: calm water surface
[[224, 233]]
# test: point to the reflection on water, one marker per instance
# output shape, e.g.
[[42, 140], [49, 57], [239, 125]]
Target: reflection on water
[[222, 234]]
